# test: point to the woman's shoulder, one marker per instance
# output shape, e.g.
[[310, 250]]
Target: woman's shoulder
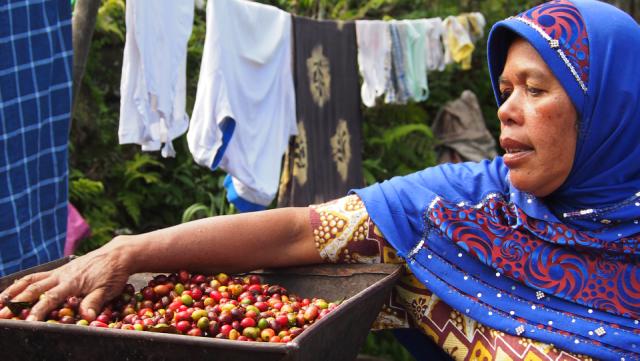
[[468, 181]]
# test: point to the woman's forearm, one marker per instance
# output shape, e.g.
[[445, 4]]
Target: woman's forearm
[[242, 242], [274, 238]]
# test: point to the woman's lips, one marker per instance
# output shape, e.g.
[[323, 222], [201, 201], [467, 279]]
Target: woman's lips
[[516, 152]]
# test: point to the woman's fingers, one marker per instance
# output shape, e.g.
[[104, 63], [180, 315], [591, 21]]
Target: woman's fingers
[[33, 292], [6, 313], [32, 284], [48, 301], [92, 302], [99, 276], [19, 285]]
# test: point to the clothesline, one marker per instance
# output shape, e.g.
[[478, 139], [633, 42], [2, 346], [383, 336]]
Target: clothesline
[[245, 110], [394, 56]]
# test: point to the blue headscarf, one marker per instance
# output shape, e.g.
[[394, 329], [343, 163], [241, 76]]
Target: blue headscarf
[[599, 43], [563, 270]]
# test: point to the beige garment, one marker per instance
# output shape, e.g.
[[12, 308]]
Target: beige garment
[[461, 131]]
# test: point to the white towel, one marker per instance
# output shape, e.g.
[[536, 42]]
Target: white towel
[[374, 58], [434, 52], [153, 84], [246, 74]]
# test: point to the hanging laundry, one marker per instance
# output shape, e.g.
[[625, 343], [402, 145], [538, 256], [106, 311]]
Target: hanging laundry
[[397, 92], [244, 111], [462, 132], [374, 58], [474, 23], [35, 104], [457, 43], [153, 84], [434, 53], [324, 161], [413, 33]]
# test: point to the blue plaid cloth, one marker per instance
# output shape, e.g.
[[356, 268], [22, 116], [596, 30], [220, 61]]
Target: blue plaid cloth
[[35, 104]]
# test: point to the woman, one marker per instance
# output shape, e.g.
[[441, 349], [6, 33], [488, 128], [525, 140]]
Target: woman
[[541, 244]]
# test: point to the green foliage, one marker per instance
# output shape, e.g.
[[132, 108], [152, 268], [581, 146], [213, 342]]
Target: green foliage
[[383, 344], [118, 188], [398, 141], [121, 190], [84, 189], [108, 15]]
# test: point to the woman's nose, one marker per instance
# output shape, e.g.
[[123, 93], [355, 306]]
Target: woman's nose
[[510, 112]]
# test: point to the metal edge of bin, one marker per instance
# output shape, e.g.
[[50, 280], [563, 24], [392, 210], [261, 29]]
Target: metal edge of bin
[[71, 342], [129, 334]]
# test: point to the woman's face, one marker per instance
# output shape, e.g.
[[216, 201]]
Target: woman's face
[[537, 122]]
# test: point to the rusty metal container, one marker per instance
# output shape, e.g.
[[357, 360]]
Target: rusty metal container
[[338, 336]]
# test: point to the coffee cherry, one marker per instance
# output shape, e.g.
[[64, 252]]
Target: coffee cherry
[[148, 293], [311, 313], [73, 302], [203, 323], [198, 279], [179, 288], [266, 334], [186, 299], [282, 320], [184, 276], [161, 290], [248, 322], [262, 306], [225, 329], [263, 323], [196, 294], [194, 332], [53, 315]]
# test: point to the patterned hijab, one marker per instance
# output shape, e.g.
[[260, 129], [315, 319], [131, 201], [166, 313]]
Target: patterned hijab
[[563, 270]]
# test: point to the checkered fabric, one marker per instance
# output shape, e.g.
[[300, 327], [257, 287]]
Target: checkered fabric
[[35, 103]]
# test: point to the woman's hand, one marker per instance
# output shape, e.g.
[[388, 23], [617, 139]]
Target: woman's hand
[[99, 276]]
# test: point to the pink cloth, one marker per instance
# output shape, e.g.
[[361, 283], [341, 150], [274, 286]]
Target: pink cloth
[[77, 230]]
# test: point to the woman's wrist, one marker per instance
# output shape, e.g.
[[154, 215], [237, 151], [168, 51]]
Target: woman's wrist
[[123, 250]]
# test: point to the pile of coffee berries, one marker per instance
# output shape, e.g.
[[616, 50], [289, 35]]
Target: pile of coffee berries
[[234, 308]]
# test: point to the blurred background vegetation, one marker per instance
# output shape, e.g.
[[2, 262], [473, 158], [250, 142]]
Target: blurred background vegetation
[[121, 190]]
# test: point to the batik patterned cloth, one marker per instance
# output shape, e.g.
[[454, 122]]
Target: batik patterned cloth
[[35, 102], [324, 160], [344, 233]]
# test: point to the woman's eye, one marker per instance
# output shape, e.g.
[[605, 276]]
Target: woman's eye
[[504, 94], [534, 91]]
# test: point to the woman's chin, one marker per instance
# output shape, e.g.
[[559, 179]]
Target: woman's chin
[[528, 184], [522, 182]]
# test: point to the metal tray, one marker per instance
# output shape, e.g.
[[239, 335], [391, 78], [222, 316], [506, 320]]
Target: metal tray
[[338, 336]]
